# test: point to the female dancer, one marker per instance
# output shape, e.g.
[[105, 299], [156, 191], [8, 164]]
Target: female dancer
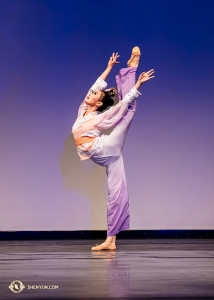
[[106, 150]]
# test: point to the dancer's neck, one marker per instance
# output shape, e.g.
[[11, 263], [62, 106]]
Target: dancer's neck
[[89, 110]]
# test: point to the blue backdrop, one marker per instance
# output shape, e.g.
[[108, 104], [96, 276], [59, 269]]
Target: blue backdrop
[[51, 52]]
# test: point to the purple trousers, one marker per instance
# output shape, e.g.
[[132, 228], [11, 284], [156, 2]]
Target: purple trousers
[[109, 155]]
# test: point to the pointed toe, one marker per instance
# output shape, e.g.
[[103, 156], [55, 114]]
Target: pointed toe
[[135, 57]]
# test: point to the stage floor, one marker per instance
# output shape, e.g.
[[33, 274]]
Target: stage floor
[[68, 269]]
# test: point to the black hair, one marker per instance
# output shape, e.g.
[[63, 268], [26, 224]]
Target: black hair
[[108, 99]]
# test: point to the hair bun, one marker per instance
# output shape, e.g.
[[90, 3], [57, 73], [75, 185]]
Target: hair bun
[[111, 92], [108, 98]]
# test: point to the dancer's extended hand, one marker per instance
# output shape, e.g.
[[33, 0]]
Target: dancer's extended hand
[[113, 60], [145, 76]]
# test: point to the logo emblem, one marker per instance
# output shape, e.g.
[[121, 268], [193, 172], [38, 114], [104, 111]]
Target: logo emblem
[[16, 286]]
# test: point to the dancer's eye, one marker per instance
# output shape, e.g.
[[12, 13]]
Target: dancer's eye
[[93, 92]]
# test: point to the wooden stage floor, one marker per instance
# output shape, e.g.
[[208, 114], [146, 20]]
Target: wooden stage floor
[[138, 269]]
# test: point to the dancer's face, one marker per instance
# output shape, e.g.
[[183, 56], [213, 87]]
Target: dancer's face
[[94, 98]]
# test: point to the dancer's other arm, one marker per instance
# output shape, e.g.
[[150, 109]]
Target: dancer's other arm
[[110, 117], [145, 76]]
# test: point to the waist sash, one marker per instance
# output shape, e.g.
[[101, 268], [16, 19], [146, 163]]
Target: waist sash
[[84, 139]]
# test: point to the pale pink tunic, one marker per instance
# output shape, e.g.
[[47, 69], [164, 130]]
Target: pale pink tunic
[[95, 122]]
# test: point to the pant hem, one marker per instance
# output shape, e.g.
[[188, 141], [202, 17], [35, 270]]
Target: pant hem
[[123, 228]]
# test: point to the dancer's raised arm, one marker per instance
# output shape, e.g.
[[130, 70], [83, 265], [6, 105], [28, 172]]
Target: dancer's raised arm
[[111, 63], [100, 83], [110, 117]]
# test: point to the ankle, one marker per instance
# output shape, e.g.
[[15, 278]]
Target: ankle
[[111, 239]]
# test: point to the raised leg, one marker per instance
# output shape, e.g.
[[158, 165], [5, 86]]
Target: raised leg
[[125, 81]]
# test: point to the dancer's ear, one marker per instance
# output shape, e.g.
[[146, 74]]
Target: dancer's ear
[[99, 104]]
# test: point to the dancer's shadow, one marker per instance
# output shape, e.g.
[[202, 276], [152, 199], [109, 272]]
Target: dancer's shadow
[[86, 177]]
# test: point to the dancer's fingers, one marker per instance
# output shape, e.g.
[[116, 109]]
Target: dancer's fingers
[[115, 54], [149, 73]]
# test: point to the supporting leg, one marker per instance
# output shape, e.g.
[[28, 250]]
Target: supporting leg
[[118, 215]]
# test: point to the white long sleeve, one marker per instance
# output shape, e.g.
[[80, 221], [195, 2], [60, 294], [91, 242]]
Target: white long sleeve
[[110, 117]]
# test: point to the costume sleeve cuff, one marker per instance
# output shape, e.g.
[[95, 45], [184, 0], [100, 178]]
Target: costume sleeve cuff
[[131, 95], [99, 84]]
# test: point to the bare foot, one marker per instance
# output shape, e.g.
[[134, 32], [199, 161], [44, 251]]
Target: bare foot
[[104, 246], [108, 243], [111, 240]]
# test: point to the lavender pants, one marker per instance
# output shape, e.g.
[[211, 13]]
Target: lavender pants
[[109, 155]]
